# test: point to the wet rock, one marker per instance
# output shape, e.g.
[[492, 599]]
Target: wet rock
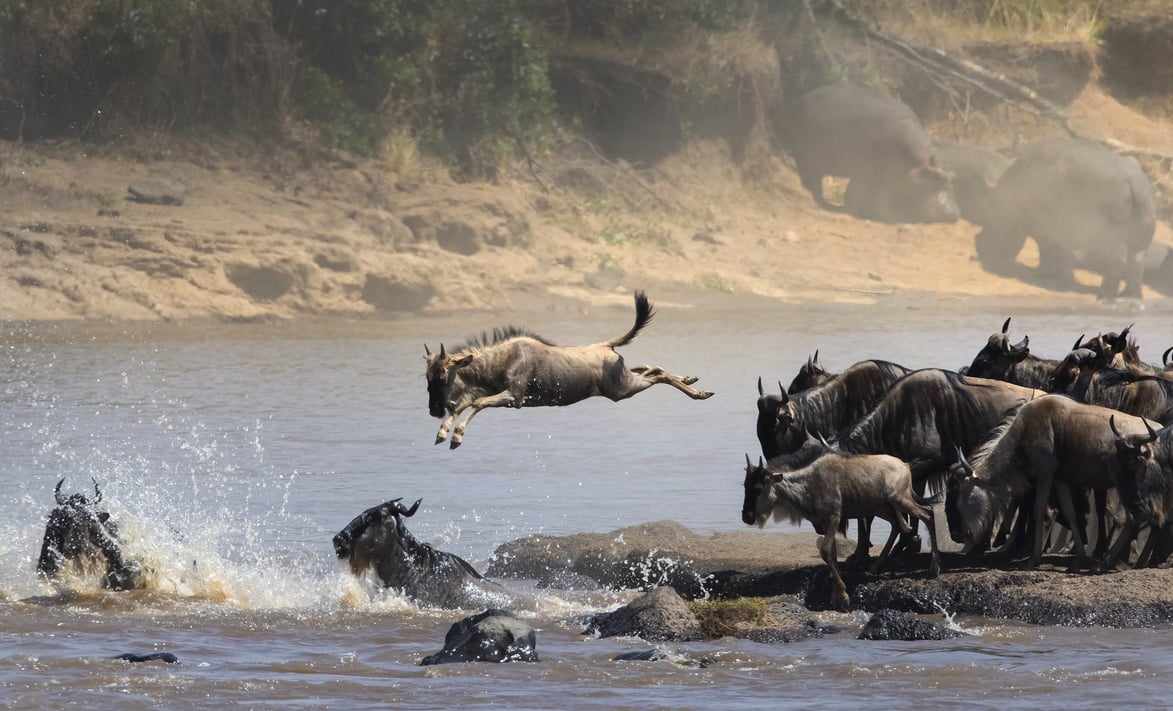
[[658, 616], [152, 657], [492, 636], [767, 620], [659, 654], [904, 626], [157, 191], [567, 580]]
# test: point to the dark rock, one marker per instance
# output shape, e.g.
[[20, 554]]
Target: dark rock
[[152, 657], [658, 616], [905, 626], [492, 636], [157, 191], [396, 293], [263, 283]]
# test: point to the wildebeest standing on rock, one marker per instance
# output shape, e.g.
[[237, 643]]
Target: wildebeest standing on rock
[[79, 532], [378, 539], [1083, 204], [877, 143], [516, 368], [832, 488]]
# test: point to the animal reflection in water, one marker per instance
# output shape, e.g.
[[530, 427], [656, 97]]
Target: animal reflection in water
[[516, 368], [80, 534], [378, 540]]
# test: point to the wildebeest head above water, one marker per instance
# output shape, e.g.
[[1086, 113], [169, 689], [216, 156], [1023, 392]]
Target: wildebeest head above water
[[81, 533], [378, 540]]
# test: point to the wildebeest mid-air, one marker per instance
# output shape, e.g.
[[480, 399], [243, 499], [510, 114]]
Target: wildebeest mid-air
[[516, 368]]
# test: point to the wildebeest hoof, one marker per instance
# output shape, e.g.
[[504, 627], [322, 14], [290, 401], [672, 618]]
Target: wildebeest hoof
[[705, 395], [440, 438], [454, 443]]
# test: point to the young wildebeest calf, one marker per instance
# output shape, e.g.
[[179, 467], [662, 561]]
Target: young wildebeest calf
[[832, 488], [520, 369]]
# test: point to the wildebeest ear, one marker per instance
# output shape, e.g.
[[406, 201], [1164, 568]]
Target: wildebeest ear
[[461, 362]]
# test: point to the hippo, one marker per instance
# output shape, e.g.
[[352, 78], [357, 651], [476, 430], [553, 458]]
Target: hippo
[[1083, 204], [976, 171], [877, 143]]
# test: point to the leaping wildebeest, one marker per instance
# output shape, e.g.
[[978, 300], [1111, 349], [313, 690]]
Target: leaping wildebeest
[[516, 368]]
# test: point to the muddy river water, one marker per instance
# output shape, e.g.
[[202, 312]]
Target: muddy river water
[[230, 454]]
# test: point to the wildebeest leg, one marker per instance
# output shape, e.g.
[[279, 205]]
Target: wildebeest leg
[[653, 375], [1123, 539], [501, 399], [829, 552], [863, 542], [445, 426], [1067, 507], [1100, 502], [899, 528]]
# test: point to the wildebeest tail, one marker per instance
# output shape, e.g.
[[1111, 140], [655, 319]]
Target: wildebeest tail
[[643, 314]]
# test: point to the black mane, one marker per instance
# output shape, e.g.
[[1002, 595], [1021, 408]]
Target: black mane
[[500, 335]]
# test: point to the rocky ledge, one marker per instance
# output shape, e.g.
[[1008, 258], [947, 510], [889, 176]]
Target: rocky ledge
[[756, 564]]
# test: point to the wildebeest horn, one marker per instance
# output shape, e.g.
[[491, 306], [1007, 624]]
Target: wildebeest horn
[[1152, 433], [1165, 356], [1006, 325], [427, 351], [816, 355], [762, 393], [406, 512], [1112, 424], [964, 462], [441, 350], [761, 462], [1078, 343], [748, 463], [57, 491]]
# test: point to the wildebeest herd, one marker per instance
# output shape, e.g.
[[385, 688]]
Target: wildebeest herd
[[1011, 448]]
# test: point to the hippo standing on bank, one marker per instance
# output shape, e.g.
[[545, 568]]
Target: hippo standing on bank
[[976, 171], [1083, 204], [877, 143]]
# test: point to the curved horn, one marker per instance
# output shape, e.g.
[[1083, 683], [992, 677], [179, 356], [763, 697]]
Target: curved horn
[[427, 351], [406, 512], [964, 462], [1078, 342], [57, 491], [816, 356], [761, 462], [1112, 424], [748, 463], [441, 350], [785, 397], [1165, 356], [1152, 433], [97, 491], [762, 393], [1006, 325]]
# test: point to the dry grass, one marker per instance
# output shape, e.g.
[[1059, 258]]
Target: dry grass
[[970, 21]]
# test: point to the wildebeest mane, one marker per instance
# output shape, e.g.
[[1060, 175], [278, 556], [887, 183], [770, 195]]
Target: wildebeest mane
[[499, 335]]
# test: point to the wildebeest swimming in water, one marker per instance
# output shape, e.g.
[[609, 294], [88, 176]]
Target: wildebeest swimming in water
[[378, 540], [81, 533], [516, 368]]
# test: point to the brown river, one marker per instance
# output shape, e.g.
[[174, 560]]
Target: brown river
[[231, 454]]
